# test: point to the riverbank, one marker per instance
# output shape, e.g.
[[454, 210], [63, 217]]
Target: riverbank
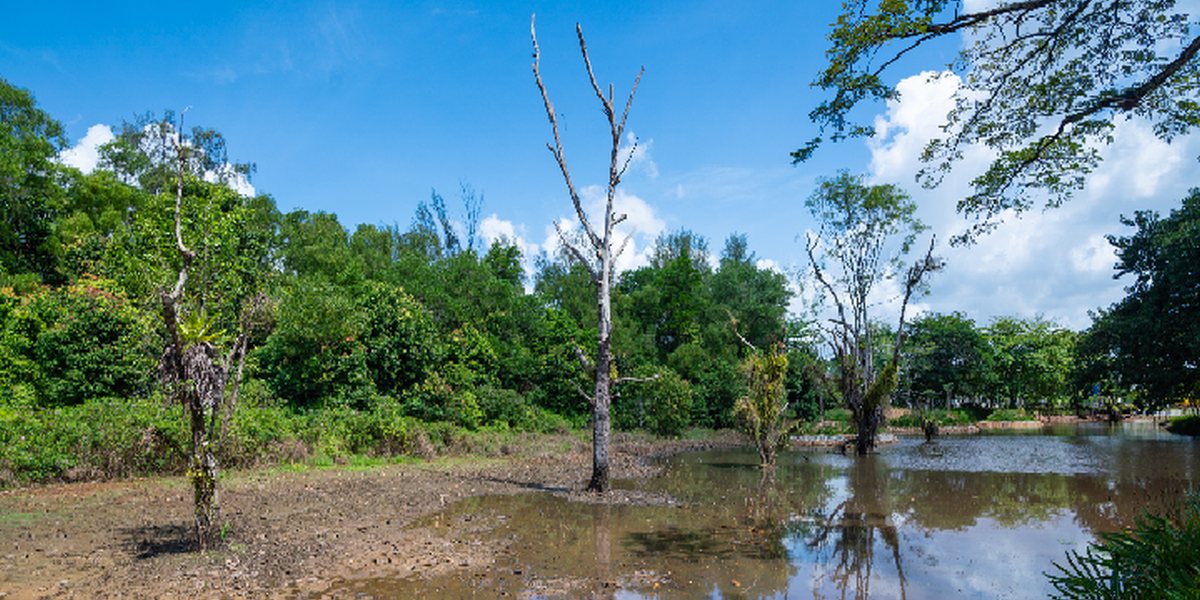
[[291, 532]]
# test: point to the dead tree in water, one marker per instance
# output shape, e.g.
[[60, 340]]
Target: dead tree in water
[[596, 252], [858, 225], [194, 372]]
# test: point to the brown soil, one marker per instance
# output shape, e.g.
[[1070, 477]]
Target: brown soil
[[289, 533]]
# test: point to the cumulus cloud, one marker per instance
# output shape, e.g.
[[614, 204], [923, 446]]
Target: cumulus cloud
[[85, 154], [1055, 263], [636, 233]]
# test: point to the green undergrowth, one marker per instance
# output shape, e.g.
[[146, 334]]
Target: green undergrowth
[[940, 416], [1010, 414], [1185, 425], [1158, 558], [106, 439]]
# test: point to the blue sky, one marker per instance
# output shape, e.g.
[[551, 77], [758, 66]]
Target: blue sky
[[362, 108]]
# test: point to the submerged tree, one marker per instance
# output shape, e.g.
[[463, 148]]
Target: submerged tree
[[865, 233], [596, 251], [1044, 82], [194, 372]]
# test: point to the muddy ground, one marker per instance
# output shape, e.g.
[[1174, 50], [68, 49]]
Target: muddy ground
[[290, 533]]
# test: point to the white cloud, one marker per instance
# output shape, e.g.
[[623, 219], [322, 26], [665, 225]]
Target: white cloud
[[640, 227], [494, 229], [637, 152], [1054, 263], [85, 154], [236, 181]]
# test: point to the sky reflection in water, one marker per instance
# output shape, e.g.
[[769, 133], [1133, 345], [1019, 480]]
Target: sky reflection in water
[[979, 516]]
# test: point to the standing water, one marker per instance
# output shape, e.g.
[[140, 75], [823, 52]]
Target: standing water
[[980, 516]]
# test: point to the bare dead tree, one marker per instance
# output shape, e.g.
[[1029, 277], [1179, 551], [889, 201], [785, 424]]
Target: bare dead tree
[[596, 250], [194, 372]]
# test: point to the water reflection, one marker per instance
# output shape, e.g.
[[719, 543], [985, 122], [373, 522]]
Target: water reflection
[[979, 517]]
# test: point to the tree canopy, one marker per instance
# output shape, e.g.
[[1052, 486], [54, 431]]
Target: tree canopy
[[1043, 84]]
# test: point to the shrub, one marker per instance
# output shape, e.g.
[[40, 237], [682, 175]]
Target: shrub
[[940, 416], [95, 440], [1010, 414], [1158, 558], [661, 402], [63, 346], [1185, 425]]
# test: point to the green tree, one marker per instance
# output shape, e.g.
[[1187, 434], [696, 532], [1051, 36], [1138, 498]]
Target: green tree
[[865, 233], [63, 346], [756, 298], [1150, 340], [29, 142], [946, 359], [1031, 361], [1044, 82]]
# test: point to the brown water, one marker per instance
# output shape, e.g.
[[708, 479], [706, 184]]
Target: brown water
[[982, 516]]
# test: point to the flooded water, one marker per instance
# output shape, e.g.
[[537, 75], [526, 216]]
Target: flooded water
[[980, 516]]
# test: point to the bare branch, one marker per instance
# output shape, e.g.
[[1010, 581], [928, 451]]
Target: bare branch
[[586, 396], [575, 252], [583, 360], [557, 148], [587, 63], [624, 243], [654, 377], [916, 273]]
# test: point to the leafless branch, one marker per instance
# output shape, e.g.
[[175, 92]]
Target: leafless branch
[[654, 377], [557, 148]]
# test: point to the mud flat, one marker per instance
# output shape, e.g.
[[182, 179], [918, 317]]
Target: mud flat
[[290, 533]]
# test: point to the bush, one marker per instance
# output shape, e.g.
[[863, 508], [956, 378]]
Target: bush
[[838, 415], [1010, 414], [661, 403], [1158, 558], [1185, 425], [98, 439], [940, 416], [63, 346]]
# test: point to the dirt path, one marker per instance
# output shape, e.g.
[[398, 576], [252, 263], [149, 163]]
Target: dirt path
[[290, 533]]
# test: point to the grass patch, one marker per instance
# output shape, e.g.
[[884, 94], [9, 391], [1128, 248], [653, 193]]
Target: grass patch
[[1010, 414], [1185, 425], [942, 417]]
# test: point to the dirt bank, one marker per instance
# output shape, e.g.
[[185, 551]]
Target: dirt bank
[[290, 533]]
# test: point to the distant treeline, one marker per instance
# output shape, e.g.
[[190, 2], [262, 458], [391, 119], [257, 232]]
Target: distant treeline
[[425, 320]]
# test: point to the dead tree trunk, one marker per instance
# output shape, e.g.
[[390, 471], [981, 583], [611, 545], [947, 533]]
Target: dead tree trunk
[[193, 372], [596, 252]]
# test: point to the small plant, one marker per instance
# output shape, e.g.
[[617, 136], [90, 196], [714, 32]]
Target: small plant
[[761, 411], [1158, 558], [1185, 425]]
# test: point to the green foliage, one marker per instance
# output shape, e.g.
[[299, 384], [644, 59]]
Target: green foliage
[[97, 439], [1076, 66], [946, 360], [761, 413], [1185, 425], [29, 143], [1157, 558], [67, 345], [661, 402], [1150, 340], [1032, 361], [940, 416], [1010, 414]]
